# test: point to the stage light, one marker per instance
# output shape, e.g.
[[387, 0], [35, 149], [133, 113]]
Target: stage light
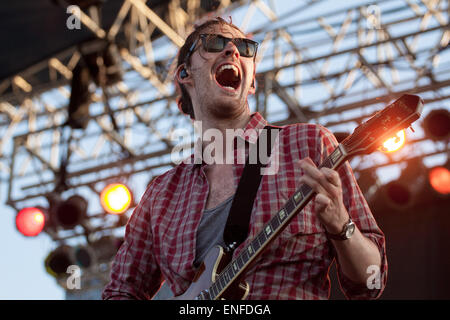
[[106, 247], [437, 125], [115, 198], [368, 183], [394, 143], [398, 194], [439, 179], [80, 98], [402, 193], [59, 260], [84, 256], [71, 212], [30, 221]]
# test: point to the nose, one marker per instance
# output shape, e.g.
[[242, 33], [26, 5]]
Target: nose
[[231, 50]]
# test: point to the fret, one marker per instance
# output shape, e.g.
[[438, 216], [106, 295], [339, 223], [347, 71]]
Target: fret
[[290, 205], [262, 237], [305, 189], [244, 256], [255, 244], [240, 260], [230, 273], [217, 286], [225, 276], [235, 267], [222, 283], [275, 222], [327, 163], [213, 291]]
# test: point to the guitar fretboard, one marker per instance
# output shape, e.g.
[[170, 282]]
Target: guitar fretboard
[[270, 230]]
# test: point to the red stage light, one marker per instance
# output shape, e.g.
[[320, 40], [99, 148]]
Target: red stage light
[[439, 178], [30, 221]]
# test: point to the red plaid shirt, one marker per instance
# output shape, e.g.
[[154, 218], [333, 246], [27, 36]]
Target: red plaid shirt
[[160, 236]]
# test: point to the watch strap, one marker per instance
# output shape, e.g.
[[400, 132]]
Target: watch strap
[[343, 234]]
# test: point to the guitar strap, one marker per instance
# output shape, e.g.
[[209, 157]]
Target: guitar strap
[[236, 228]]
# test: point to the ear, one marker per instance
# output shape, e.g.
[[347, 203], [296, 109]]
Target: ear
[[182, 74]]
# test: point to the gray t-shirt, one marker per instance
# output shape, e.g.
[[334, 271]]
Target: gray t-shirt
[[210, 230]]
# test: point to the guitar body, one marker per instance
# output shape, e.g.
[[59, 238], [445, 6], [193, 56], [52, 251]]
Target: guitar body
[[216, 260]]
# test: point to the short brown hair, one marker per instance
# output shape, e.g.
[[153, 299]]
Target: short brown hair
[[184, 101]]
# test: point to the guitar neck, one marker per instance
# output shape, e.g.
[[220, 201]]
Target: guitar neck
[[271, 229]]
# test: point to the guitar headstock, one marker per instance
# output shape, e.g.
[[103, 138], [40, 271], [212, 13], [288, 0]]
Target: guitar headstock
[[399, 115]]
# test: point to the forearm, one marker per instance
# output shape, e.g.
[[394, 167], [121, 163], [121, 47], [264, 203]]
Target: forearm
[[355, 255]]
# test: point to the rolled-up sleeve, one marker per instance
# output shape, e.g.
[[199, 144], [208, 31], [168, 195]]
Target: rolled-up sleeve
[[361, 214], [134, 271]]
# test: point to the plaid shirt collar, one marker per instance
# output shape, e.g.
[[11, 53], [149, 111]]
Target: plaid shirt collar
[[250, 134]]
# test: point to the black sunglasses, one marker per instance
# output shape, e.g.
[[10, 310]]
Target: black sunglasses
[[216, 43]]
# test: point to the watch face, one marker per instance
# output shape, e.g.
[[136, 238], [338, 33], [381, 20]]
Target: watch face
[[350, 230]]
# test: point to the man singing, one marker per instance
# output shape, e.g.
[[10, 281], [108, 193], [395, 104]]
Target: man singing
[[183, 211]]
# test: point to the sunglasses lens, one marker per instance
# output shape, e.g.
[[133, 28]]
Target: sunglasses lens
[[216, 43], [245, 47]]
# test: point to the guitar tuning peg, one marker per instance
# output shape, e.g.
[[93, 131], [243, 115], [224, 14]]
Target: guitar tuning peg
[[411, 129]]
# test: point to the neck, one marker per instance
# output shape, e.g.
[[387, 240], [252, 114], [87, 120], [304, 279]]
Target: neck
[[209, 126]]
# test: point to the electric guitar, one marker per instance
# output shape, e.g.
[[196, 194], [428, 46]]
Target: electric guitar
[[219, 277]]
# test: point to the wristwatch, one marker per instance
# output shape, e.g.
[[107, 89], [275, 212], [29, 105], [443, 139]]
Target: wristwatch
[[346, 233]]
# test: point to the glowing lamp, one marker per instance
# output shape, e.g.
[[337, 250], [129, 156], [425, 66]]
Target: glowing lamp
[[30, 221], [394, 143], [115, 198], [439, 178]]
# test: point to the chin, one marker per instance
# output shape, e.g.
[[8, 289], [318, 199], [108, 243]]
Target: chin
[[224, 109]]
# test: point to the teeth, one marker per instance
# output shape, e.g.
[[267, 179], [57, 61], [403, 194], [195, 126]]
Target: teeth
[[231, 88], [229, 66]]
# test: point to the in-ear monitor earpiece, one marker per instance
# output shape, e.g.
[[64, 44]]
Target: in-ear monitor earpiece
[[183, 73]]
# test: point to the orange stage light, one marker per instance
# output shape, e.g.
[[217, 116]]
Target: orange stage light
[[115, 198], [394, 143], [30, 221], [439, 178]]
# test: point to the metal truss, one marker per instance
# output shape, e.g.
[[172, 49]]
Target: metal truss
[[316, 63]]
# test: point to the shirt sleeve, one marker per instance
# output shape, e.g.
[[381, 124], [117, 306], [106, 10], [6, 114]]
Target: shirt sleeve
[[361, 214], [134, 272]]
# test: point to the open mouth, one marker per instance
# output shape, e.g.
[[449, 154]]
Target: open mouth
[[228, 77]]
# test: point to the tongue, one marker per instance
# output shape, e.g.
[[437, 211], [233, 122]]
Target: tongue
[[227, 78]]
